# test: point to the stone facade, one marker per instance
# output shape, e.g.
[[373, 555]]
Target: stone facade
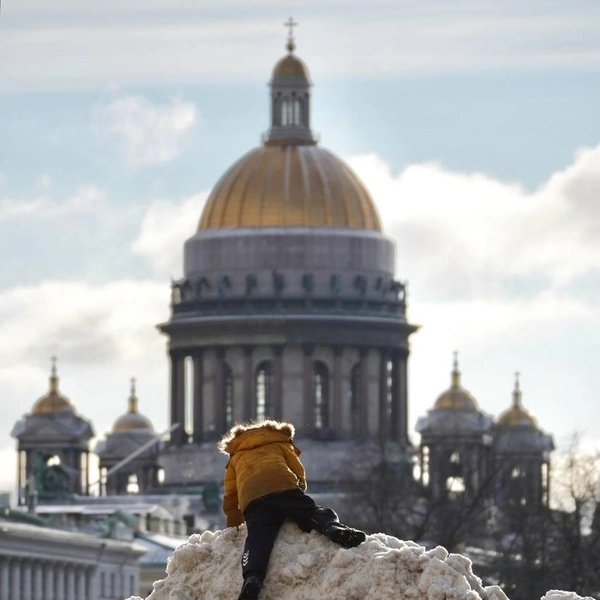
[[78, 566]]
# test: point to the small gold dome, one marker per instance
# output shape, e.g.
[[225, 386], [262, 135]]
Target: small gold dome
[[516, 415], [300, 185], [290, 66], [132, 419], [456, 396], [53, 402]]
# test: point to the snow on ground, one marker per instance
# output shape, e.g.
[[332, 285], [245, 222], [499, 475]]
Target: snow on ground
[[309, 567], [560, 595]]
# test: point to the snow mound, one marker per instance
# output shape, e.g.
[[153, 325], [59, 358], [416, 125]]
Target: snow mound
[[561, 595], [309, 567]]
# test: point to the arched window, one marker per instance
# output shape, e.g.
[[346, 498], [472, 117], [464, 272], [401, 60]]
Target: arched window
[[321, 395], [263, 386], [355, 399], [228, 391], [290, 112]]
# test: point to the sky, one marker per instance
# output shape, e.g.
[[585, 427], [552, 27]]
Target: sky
[[475, 125]]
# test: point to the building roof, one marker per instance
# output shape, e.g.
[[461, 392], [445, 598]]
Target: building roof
[[132, 420], [53, 401], [290, 186], [516, 415], [456, 396]]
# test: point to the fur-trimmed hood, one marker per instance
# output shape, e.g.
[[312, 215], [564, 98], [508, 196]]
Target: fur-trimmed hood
[[226, 445]]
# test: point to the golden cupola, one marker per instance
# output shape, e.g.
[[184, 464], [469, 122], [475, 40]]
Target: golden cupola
[[53, 402], [290, 181], [516, 415], [456, 396], [132, 420]]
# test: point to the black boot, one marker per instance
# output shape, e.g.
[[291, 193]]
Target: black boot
[[344, 536], [251, 588]]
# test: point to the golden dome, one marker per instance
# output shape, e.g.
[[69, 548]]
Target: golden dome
[[300, 185], [53, 402], [456, 396], [516, 415], [290, 66], [132, 419]]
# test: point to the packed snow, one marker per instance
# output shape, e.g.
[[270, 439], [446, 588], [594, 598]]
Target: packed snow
[[309, 567]]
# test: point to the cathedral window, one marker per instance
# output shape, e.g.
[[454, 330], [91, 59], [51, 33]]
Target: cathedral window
[[290, 112], [321, 395], [263, 386], [228, 390], [355, 399], [132, 484]]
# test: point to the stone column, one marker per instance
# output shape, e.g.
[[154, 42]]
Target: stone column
[[70, 583], [4, 577], [219, 398], [16, 578], [177, 397], [277, 382], [198, 403], [399, 420], [59, 575], [49, 581], [19, 476], [337, 390], [308, 396], [384, 409], [38, 581], [248, 391], [80, 582], [403, 398], [26, 580], [87, 473], [363, 430]]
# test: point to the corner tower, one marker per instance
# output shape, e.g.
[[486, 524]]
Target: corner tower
[[288, 307]]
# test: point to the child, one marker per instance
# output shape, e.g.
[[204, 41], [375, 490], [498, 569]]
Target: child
[[265, 484]]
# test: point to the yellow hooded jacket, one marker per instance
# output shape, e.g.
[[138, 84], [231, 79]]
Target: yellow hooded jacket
[[262, 460]]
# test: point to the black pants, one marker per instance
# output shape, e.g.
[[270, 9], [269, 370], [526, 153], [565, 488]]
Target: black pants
[[264, 517]]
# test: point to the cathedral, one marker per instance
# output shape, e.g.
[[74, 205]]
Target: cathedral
[[289, 308]]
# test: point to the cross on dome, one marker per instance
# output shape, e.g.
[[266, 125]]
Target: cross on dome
[[290, 23]]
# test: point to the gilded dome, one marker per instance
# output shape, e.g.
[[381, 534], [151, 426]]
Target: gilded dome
[[291, 66], [132, 419], [516, 415], [456, 396], [53, 402], [293, 185]]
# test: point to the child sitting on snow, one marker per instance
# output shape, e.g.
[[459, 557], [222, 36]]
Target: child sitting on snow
[[265, 484]]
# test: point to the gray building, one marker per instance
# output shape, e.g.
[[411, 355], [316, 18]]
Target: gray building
[[289, 307], [41, 563]]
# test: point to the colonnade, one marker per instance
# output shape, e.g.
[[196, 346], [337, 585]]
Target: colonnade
[[389, 403], [35, 579], [32, 578]]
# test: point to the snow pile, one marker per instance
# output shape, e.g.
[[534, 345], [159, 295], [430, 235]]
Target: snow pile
[[310, 567], [560, 595]]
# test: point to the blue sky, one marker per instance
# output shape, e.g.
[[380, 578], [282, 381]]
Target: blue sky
[[474, 124]]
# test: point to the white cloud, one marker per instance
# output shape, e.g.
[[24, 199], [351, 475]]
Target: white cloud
[[83, 323], [150, 133], [469, 235], [164, 229], [175, 41], [86, 199]]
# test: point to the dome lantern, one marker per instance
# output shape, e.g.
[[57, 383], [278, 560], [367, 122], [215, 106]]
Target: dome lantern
[[290, 99]]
